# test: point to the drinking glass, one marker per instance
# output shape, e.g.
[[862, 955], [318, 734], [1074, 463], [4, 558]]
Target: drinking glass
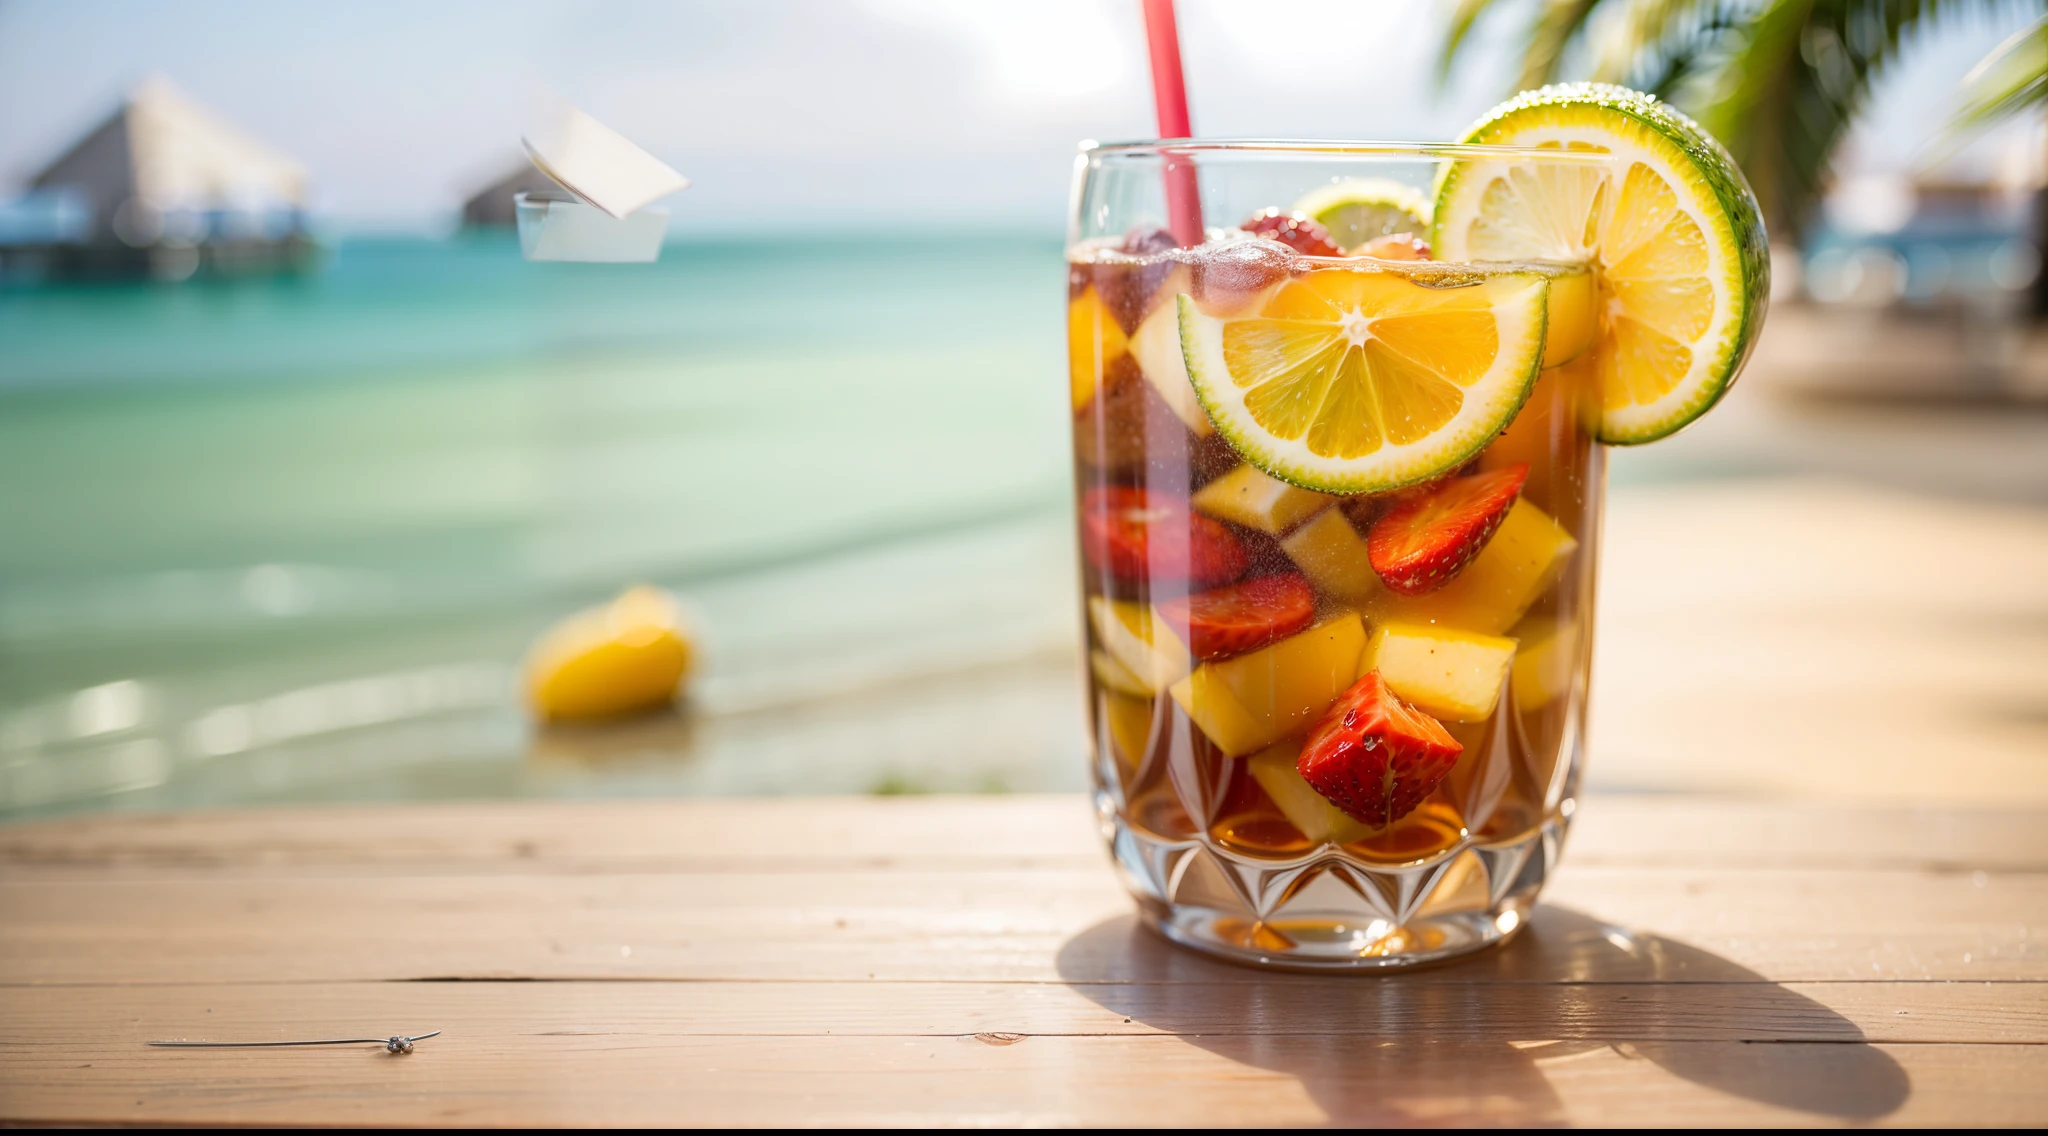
[[1196, 741]]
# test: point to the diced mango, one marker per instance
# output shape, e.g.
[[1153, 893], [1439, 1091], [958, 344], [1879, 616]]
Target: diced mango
[[1156, 346], [1130, 634], [1115, 676], [1248, 702], [1440, 670], [1544, 664], [1491, 595], [1256, 501], [1130, 727], [1297, 800], [1332, 555], [1094, 341]]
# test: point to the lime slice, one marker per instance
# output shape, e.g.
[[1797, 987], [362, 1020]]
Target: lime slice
[[1358, 380], [1359, 209], [1669, 227]]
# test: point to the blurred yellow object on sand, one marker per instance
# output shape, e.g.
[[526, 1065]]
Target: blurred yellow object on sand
[[625, 657]]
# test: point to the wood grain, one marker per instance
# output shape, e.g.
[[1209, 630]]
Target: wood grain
[[865, 834], [973, 962]]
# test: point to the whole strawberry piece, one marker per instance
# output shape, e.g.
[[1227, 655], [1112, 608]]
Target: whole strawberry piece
[[1374, 756], [1139, 535], [1297, 231], [1432, 533], [1242, 617]]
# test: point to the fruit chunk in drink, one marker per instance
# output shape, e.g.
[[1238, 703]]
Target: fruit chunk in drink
[[1253, 605]]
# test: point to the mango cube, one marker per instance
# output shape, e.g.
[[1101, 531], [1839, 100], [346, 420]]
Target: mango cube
[[1094, 341], [1156, 347], [1256, 501], [1440, 670], [1138, 640], [1309, 811], [1492, 594], [1332, 555], [1118, 677], [1130, 728], [1544, 665], [1247, 702]]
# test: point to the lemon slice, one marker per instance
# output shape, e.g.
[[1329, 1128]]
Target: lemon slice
[[1358, 209], [1668, 225], [1357, 381]]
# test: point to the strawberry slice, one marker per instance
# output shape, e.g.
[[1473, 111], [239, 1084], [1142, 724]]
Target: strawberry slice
[[1241, 617], [1375, 756], [1142, 536], [1430, 535], [1298, 231]]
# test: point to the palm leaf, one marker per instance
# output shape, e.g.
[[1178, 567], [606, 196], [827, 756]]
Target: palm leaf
[[1557, 25], [2012, 79], [1782, 89], [1650, 42]]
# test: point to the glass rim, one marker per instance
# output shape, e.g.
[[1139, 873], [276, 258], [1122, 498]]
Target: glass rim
[[1312, 148]]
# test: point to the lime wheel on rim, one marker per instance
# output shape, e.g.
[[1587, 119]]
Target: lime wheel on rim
[[1668, 225]]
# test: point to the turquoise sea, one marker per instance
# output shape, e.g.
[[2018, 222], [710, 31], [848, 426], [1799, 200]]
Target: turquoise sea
[[286, 539]]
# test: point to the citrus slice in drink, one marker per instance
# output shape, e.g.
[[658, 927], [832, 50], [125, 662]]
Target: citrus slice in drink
[[1356, 381], [1356, 210], [1658, 210]]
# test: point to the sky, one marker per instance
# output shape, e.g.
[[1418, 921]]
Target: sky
[[805, 114]]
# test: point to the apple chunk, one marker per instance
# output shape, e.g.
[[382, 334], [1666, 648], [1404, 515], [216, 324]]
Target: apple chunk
[[1156, 347]]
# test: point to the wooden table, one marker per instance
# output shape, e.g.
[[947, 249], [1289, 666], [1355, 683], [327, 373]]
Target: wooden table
[[972, 961]]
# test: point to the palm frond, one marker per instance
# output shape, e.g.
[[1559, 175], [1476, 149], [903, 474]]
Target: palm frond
[[1646, 43], [1782, 89], [1559, 24], [1556, 25], [2012, 79], [1465, 14]]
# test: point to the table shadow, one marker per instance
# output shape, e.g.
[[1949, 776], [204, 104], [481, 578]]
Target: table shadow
[[1465, 1042]]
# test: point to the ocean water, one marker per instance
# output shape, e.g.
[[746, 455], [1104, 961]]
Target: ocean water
[[286, 539]]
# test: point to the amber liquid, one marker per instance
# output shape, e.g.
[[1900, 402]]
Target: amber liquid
[[1175, 783]]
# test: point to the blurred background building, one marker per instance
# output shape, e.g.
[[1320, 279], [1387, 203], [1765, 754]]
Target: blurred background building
[[162, 189], [284, 535]]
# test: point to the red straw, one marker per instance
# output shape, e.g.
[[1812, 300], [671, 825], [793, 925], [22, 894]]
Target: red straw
[[1170, 97]]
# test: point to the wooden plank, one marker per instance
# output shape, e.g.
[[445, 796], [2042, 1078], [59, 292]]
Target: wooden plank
[[1860, 665], [602, 1079], [965, 832], [1269, 1006], [847, 962], [916, 924]]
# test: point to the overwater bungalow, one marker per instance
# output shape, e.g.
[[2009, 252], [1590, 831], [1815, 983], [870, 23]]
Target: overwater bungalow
[[162, 188]]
